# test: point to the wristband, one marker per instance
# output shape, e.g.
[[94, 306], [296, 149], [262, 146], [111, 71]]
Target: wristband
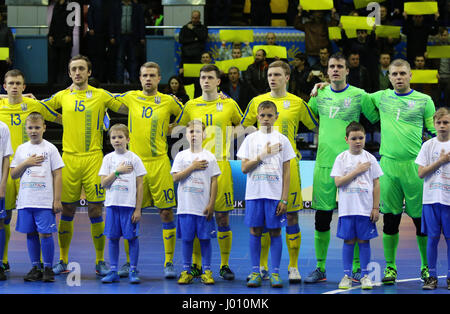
[[284, 202], [116, 173]]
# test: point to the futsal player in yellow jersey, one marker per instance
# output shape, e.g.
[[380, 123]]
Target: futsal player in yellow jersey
[[148, 122], [14, 109], [219, 116], [291, 111], [83, 110]]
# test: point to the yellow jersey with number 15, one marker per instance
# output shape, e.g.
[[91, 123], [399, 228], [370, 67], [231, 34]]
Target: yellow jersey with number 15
[[82, 115]]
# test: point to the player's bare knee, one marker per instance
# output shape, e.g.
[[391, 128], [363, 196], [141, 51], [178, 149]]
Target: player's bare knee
[[275, 232], [256, 231], [222, 219], [166, 215], [95, 210], [69, 209], [45, 235], [292, 219]]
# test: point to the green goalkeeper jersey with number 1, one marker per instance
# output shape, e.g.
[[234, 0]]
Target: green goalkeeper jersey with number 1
[[336, 109], [402, 117]]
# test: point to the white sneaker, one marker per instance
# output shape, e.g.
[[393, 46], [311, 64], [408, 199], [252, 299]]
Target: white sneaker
[[294, 275], [346, 283], [366, 283]]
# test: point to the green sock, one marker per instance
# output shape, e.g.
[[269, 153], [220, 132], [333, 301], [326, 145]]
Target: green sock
[[390, 244], [321, 242], [422, 243], [356, 263]]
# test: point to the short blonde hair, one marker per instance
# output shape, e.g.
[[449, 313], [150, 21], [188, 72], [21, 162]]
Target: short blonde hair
[[119, 127], [443, 111], [35, 116], [193, 123]]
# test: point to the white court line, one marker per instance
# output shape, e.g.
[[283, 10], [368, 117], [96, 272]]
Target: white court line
[[375, 284]]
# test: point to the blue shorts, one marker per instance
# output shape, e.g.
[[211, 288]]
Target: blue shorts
[[356, 226], [118, 223], [2, 209], [30, 220], [189, 226], [436, 218], [262, 213]]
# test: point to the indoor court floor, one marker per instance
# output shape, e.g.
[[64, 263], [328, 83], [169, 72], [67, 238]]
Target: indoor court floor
[[152, 255]]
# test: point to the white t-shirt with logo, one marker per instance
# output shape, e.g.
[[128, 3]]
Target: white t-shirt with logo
[[356, 198], [36, 183], [122, 192], [194, 191], [5, 144], [436, 187], [266, 180]]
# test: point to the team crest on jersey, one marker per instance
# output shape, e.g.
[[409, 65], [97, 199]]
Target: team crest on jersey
[[157, 100], [286, 104], [89, 94], [347, 102], [411, 103], [219, 106], [24, 106]]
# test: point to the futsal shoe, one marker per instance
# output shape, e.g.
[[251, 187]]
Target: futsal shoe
[[390, 276], [196, 272], [124, 270], [275, 281], [185, 278], [133, 277], [60, 268], [207, 278], [111, 277], [101, 269], [356, 275], [169, 271], [316, 276], [346, 283], [366, 283], [424, 273], [48, 275], [294, 275], [430, 283], [226, 273], [255, 280], [6, 267], [35, 274], [2, 274]]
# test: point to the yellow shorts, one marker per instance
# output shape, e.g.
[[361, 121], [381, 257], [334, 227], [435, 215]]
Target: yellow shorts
[[12, 190], [295, 199], [158, 184], [225, 197], [82, 171]]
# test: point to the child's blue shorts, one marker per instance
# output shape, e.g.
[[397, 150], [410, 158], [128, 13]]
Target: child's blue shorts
[[118, 223], [189, 226], [356, 226], [2, 209], [262, 213], [436, 218], [30, 220]]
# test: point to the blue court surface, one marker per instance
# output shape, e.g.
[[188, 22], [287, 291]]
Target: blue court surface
[[152, 256]]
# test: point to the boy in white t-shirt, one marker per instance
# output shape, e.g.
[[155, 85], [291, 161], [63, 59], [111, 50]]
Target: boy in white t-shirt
[[122, 174], [434, 166], [356, 173], [196, 171], [39, 165], [266, 156], [5, 151]]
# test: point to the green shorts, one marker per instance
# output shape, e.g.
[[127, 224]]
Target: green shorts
[[400, 185], [324, 189]]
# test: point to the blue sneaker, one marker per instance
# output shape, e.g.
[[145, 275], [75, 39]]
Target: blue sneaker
[[133, 277], [169, 271], [60, 268], [255, 280], [111, 277], [316, 276], [124, 271], [101, 269]]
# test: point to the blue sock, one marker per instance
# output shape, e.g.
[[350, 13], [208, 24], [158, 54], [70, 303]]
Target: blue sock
[[448, 256], [114, 254], [2, 242], [34, 249], [206, 249], [133, 245], [188, 247], [364, 257], [347, 258], [48, 250], [276, 248], [255, 252], [432, 251]]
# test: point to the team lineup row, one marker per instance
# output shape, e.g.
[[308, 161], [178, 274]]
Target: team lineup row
[[402, 112]]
